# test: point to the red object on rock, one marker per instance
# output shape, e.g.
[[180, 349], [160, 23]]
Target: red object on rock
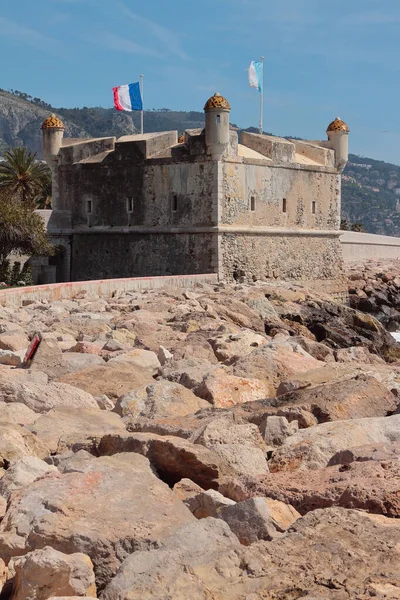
[[32, 348]]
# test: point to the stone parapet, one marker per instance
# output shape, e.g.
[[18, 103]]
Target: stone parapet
[[58, 291]]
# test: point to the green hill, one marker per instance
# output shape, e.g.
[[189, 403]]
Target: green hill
[[368, 187]]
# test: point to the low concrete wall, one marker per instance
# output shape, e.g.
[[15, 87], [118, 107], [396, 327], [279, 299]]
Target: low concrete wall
[[15, 297], [363, 246]]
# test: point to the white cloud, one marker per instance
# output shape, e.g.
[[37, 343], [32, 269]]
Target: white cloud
[[167, 37], [24, 34], [115, 42]]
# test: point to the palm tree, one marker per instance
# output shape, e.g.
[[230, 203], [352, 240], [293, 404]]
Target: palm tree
[[43, 198], [22, 175]]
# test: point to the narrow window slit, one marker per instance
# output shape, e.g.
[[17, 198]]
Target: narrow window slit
[[129, 205], [252, 203], [284, 206], [174, 203], [313, 207], [88, 206]]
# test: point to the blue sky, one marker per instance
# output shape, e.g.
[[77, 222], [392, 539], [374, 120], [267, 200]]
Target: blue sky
[[322, 59]]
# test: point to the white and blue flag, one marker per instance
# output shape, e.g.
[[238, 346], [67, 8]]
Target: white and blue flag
[[256, 75]]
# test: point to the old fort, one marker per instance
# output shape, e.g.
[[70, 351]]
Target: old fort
[[146, 205]]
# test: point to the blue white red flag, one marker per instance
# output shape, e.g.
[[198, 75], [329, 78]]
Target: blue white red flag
[[128, 97]]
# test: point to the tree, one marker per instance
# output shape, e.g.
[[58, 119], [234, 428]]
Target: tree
[[22, 231], [357, 227], [22, 175], [43, 199]]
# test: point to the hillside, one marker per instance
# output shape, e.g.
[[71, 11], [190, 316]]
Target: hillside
[[369, 186]]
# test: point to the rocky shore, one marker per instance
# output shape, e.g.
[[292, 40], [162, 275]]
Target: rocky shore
[[235, 442]]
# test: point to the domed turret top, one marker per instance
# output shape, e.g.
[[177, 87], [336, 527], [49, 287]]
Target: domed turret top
[[217, 101], [338, 125], [52, 122]]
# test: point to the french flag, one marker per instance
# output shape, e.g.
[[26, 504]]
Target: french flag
[[128, 97]]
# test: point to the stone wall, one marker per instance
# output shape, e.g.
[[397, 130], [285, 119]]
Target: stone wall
[[111, 255], [283, 196], [287, 256], [363, 246]]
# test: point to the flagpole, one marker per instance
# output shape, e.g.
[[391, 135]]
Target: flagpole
[[141, 112], [262, 96]]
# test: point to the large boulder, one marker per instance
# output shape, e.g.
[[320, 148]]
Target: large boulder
[[43, 573], [112, 380], [17, 442], [351, 398], [108, 508], [370, 486], [42, 398], [258, 519], [275, 362], [17, 413], [239, 444], [139, 357], [314, 447], [63, 427], [23, 472], [348, 555], [223, 390], [173, 458], [231, 346], [183, 567], [159, 399]]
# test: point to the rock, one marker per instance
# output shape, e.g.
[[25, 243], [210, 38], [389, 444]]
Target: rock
[[223, 390], [231, 346], [16, 442], [207, 504], [46, 572], [13, 342], [378, 452], [22, 472], [16, 413], [254, 519], [141, 358], [91, 511], [86, 348], [203, 560], [48, 358], [160, 399], [277, 429], [12, 359], [63, 427], [75, 361], [114, 380], [370, 486], [225, 430], [189, 372], [275, 362], [356, 397], [243, 459], [186, 489], [263, 307], [197, 561], [313, 448], [315, 349], [173, 458], [42, 398], [357, 354], [164, 355], [104, 402]]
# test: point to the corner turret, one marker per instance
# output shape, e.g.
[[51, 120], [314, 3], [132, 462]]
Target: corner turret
[[217, 109], [53, 132], [338, 136]]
